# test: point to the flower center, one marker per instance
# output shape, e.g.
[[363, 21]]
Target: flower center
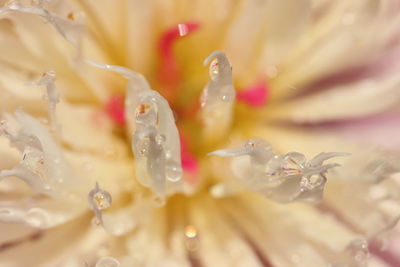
[[198, 118]]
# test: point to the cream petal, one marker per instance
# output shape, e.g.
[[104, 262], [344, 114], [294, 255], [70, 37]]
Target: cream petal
[[329, 46], [106, 25], [153, 235], [115, 176], [217, 241], [381, 129], [288, 244], [88, 129], [40, 212], [55, 247], [283, 33], [362, 98], [141, 36], [75, 85]]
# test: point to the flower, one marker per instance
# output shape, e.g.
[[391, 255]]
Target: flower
[[126, 151]]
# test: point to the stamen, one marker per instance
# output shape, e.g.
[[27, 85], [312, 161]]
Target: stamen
[[254, 96], [52, 96], [169, 74], [283, 178], [217, 98]]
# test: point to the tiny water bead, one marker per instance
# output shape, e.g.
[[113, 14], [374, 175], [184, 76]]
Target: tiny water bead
[[359, 252], [99, 199]]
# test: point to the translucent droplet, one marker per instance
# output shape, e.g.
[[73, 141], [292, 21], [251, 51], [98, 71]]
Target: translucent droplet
[[142, 109], [37, 217], [359, 252], [311, 182], [214, 67], [190, 231], [108, 262], [142, 146], [96, 222], [160, 139], [173, 171], [99, 199], [159, 201], [293, 163]]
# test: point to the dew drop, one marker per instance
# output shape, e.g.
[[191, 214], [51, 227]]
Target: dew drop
[[359, 252], [36, 217], [160, 139], [159, 201], [190, 231], [214, 71], [99, 199], [96, 222], [173, 171], [108, 262]]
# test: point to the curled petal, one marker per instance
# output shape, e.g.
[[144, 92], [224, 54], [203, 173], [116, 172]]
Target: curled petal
[[155, 137], [283, 178]]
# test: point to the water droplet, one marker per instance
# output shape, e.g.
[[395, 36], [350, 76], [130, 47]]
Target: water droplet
[[36, 217], [96, 222], [159, 201], [293, 163], [190, 231], [142, 109], [214, 70], [173, 171], [160, 139], [311, 182], [108, 262], [358, 250], [99, 199]]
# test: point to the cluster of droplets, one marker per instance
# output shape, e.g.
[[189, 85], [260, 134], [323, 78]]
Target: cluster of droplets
[[283, 178]]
